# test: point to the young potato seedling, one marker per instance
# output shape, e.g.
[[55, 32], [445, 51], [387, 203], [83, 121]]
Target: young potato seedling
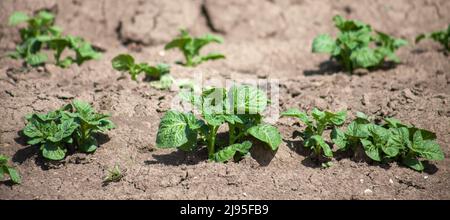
[[5, 169], [240, 108], [41, 33], [74, 124], [313, 134], [191, 46], [442, 37], [114, 175], [126, 63], [390, 141], [357, 46]]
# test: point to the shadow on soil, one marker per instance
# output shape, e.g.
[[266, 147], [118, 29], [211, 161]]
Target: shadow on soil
[[330, 67], [179, 157]]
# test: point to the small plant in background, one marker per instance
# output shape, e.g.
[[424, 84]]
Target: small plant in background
[[240, 108], [313, 134], [114, 175], [191, 46], [41, 33], [442, 37], [392, 141], [5, 169], [357, 46], [74, 124], [126, 63]]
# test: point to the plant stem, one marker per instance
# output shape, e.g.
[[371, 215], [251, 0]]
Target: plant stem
[[231, 131], [212, 140]]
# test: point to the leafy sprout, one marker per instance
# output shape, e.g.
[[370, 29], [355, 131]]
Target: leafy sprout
[[6, 169], [356, 46], [442, 37], [41, 33], [126, 63], [392, 140], [240, 108], [74, 124], [315, 126], [191, 46], [114, 175]]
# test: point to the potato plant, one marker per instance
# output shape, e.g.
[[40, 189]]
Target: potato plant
[[315, 126], [41, 33], [442, 37], [356, 46], [160, 72], [6, 169], [240, 108], [390, 141], [74, 124], [191, 46]]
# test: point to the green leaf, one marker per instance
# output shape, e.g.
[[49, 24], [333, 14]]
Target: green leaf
[[371, 150], [17, 18], [88, 145], [229, 152], [394, 123], [248, 99], [267, 134], [337, 118], [174, 131], [36, 59], [357, 130], [302, 116], [318, 115], [323, 44], [365, 57], [427, 149], [122, 62], [53, 151], [212, 56], [46, 17], [398, 140], [14, 175], [338, 137], [413, 163], [325, 147], [3, 160]]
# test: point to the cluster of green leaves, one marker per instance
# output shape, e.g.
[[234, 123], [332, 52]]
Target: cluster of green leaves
[[442, 37], [125, 62], [114, 175], [9, 170], [191, 46], [356, 46], [74, 124], [240, 108], [313, 134], [390, 141], [41, 33]]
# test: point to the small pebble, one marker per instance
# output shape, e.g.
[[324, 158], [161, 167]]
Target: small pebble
[[391, 181], [368, 192], [425, 177], [162, 53], [245, 194], [361, 180]]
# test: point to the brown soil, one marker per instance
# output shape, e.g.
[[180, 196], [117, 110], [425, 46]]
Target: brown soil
[[263, 39]]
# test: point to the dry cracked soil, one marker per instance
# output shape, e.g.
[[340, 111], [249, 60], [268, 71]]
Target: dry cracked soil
[[264, 39]]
